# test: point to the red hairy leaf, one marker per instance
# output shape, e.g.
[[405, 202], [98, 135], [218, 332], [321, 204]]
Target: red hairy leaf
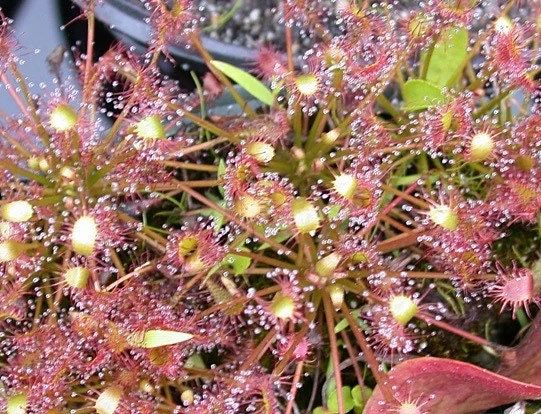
[[523, 363], [443, 386]]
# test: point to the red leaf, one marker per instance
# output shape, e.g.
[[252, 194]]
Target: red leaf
[[523, 363], [444, 386]]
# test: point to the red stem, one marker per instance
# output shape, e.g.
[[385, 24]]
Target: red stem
[[293, 390], [329, 317], [372, 362], [259, 350], [457, 331], [89, 47], [289, 48], [16, 98]]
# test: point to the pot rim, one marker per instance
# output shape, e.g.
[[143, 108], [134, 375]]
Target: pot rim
[[128, 19]]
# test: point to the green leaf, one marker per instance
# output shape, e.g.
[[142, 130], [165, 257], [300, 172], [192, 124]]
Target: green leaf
[[155, 338], [319, 410], [343, 324], [276, 88], [333, 211], [340, 326], [238, 263], [279, 238], [406, 179], [420, 94], [218, 217], [332, 400], [220, 175], [195, 361], [448, 58], [360, 396], [410, 179], [221, 168], [252, 85]]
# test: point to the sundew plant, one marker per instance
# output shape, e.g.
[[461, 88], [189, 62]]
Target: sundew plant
[[360, 233]]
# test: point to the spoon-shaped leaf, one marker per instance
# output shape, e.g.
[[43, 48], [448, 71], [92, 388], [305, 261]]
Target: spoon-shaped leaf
[[420, 94], [446, 386], [523, 362], [251, 84], [155, 338], [448, 57]]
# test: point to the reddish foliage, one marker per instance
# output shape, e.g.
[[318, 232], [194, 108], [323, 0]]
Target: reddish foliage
[[523, 362], [444, 386]]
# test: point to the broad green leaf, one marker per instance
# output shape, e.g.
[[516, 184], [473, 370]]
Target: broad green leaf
[[420, 94], [410, 179], [332, 400], [360, 396], [251, 84], [155, 338], [195, 361], [279, 238], [406, 179], [333, 211], [218, 217], [276, 88], [340, 326], [448, 58], [343, 324], [238, 263], [320, 410]]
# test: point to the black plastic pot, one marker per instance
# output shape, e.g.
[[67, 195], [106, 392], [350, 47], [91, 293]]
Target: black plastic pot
[[134, 16], [9, 7], [127, 20]]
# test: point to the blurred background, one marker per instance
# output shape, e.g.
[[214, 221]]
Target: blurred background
[[38, 28], [46, 28], [232, 31]]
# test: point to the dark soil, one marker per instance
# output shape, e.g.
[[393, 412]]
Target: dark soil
[[254, 23]]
